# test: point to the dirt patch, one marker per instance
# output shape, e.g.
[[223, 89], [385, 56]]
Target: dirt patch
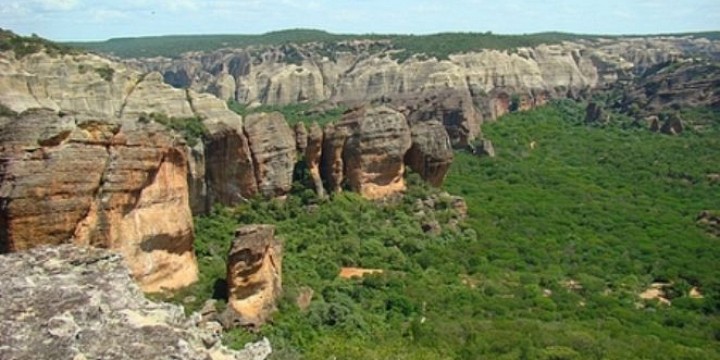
[[656, 291], [351, 272]]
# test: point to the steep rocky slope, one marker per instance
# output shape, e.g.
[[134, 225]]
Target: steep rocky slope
[[367, 70], [81, 303]]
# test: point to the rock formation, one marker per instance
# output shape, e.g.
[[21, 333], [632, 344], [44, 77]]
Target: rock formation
[[272, 144], [485, 147], [453, 108], [364, 71], [254, 274], [332, 166], [594, 113], [98, 176], [374, 152], [430, 154], [230, 168], [81, 303], [301, 137], [90, 181], [673, 125], [313, 157]]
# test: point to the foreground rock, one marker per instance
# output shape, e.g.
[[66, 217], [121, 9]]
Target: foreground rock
[[254, 274], [374, 152], [88, 180], [81, 303]]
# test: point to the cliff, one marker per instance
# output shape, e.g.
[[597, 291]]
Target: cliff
[[367, 70]]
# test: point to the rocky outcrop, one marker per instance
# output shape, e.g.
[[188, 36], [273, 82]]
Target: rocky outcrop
[[594, 114], [454, 109], [710, 220], [673, 125], [332, 166], [272, 144], [430, 154], [313, 157], [484, 147], [81, 303], [301, 137], [91, 181], [254, 274], [373, 155], [364, 71], [230, 168]]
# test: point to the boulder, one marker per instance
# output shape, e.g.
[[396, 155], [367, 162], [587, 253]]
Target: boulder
[[272, 144], [373, 154], [594, 114], [313, 157], [485, 147], [81, 303], [673, 125], [254, 274], [653, 123], [87, 180], [431, 153]]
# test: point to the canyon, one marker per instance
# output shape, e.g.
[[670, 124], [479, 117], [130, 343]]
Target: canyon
[[89, 154]]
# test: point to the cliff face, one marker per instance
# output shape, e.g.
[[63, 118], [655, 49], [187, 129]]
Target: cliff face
[[484, 80], [90, 181], [293, 73]]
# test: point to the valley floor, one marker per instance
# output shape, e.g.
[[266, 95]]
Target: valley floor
[[561, 239]]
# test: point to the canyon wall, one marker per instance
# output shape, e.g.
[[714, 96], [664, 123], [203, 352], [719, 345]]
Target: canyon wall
[[358, 71]]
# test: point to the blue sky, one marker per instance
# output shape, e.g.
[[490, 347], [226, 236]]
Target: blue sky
[[103, 19]]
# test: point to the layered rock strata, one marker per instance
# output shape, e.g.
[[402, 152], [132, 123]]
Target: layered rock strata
[[90, 181]]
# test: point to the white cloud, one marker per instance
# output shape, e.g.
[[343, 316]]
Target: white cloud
[[59, 5]]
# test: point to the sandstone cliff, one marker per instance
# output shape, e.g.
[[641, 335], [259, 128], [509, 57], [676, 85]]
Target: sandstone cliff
[[373, 154], [88, 180], [360, 71], [81, 303]]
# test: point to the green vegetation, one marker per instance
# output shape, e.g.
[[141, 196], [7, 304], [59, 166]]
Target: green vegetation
[[106, 73], [437, 45], [6, 111], [26, 45], [559, 242], [191, 128], [294, 113]]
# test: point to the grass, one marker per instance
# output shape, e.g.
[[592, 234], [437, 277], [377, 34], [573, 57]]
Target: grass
[[191, 128], [294, 113]]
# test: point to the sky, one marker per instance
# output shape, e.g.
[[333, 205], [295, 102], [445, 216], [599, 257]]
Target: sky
[[64, 20]]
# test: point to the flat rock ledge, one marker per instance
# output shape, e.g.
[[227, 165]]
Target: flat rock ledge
[[76, 303]]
